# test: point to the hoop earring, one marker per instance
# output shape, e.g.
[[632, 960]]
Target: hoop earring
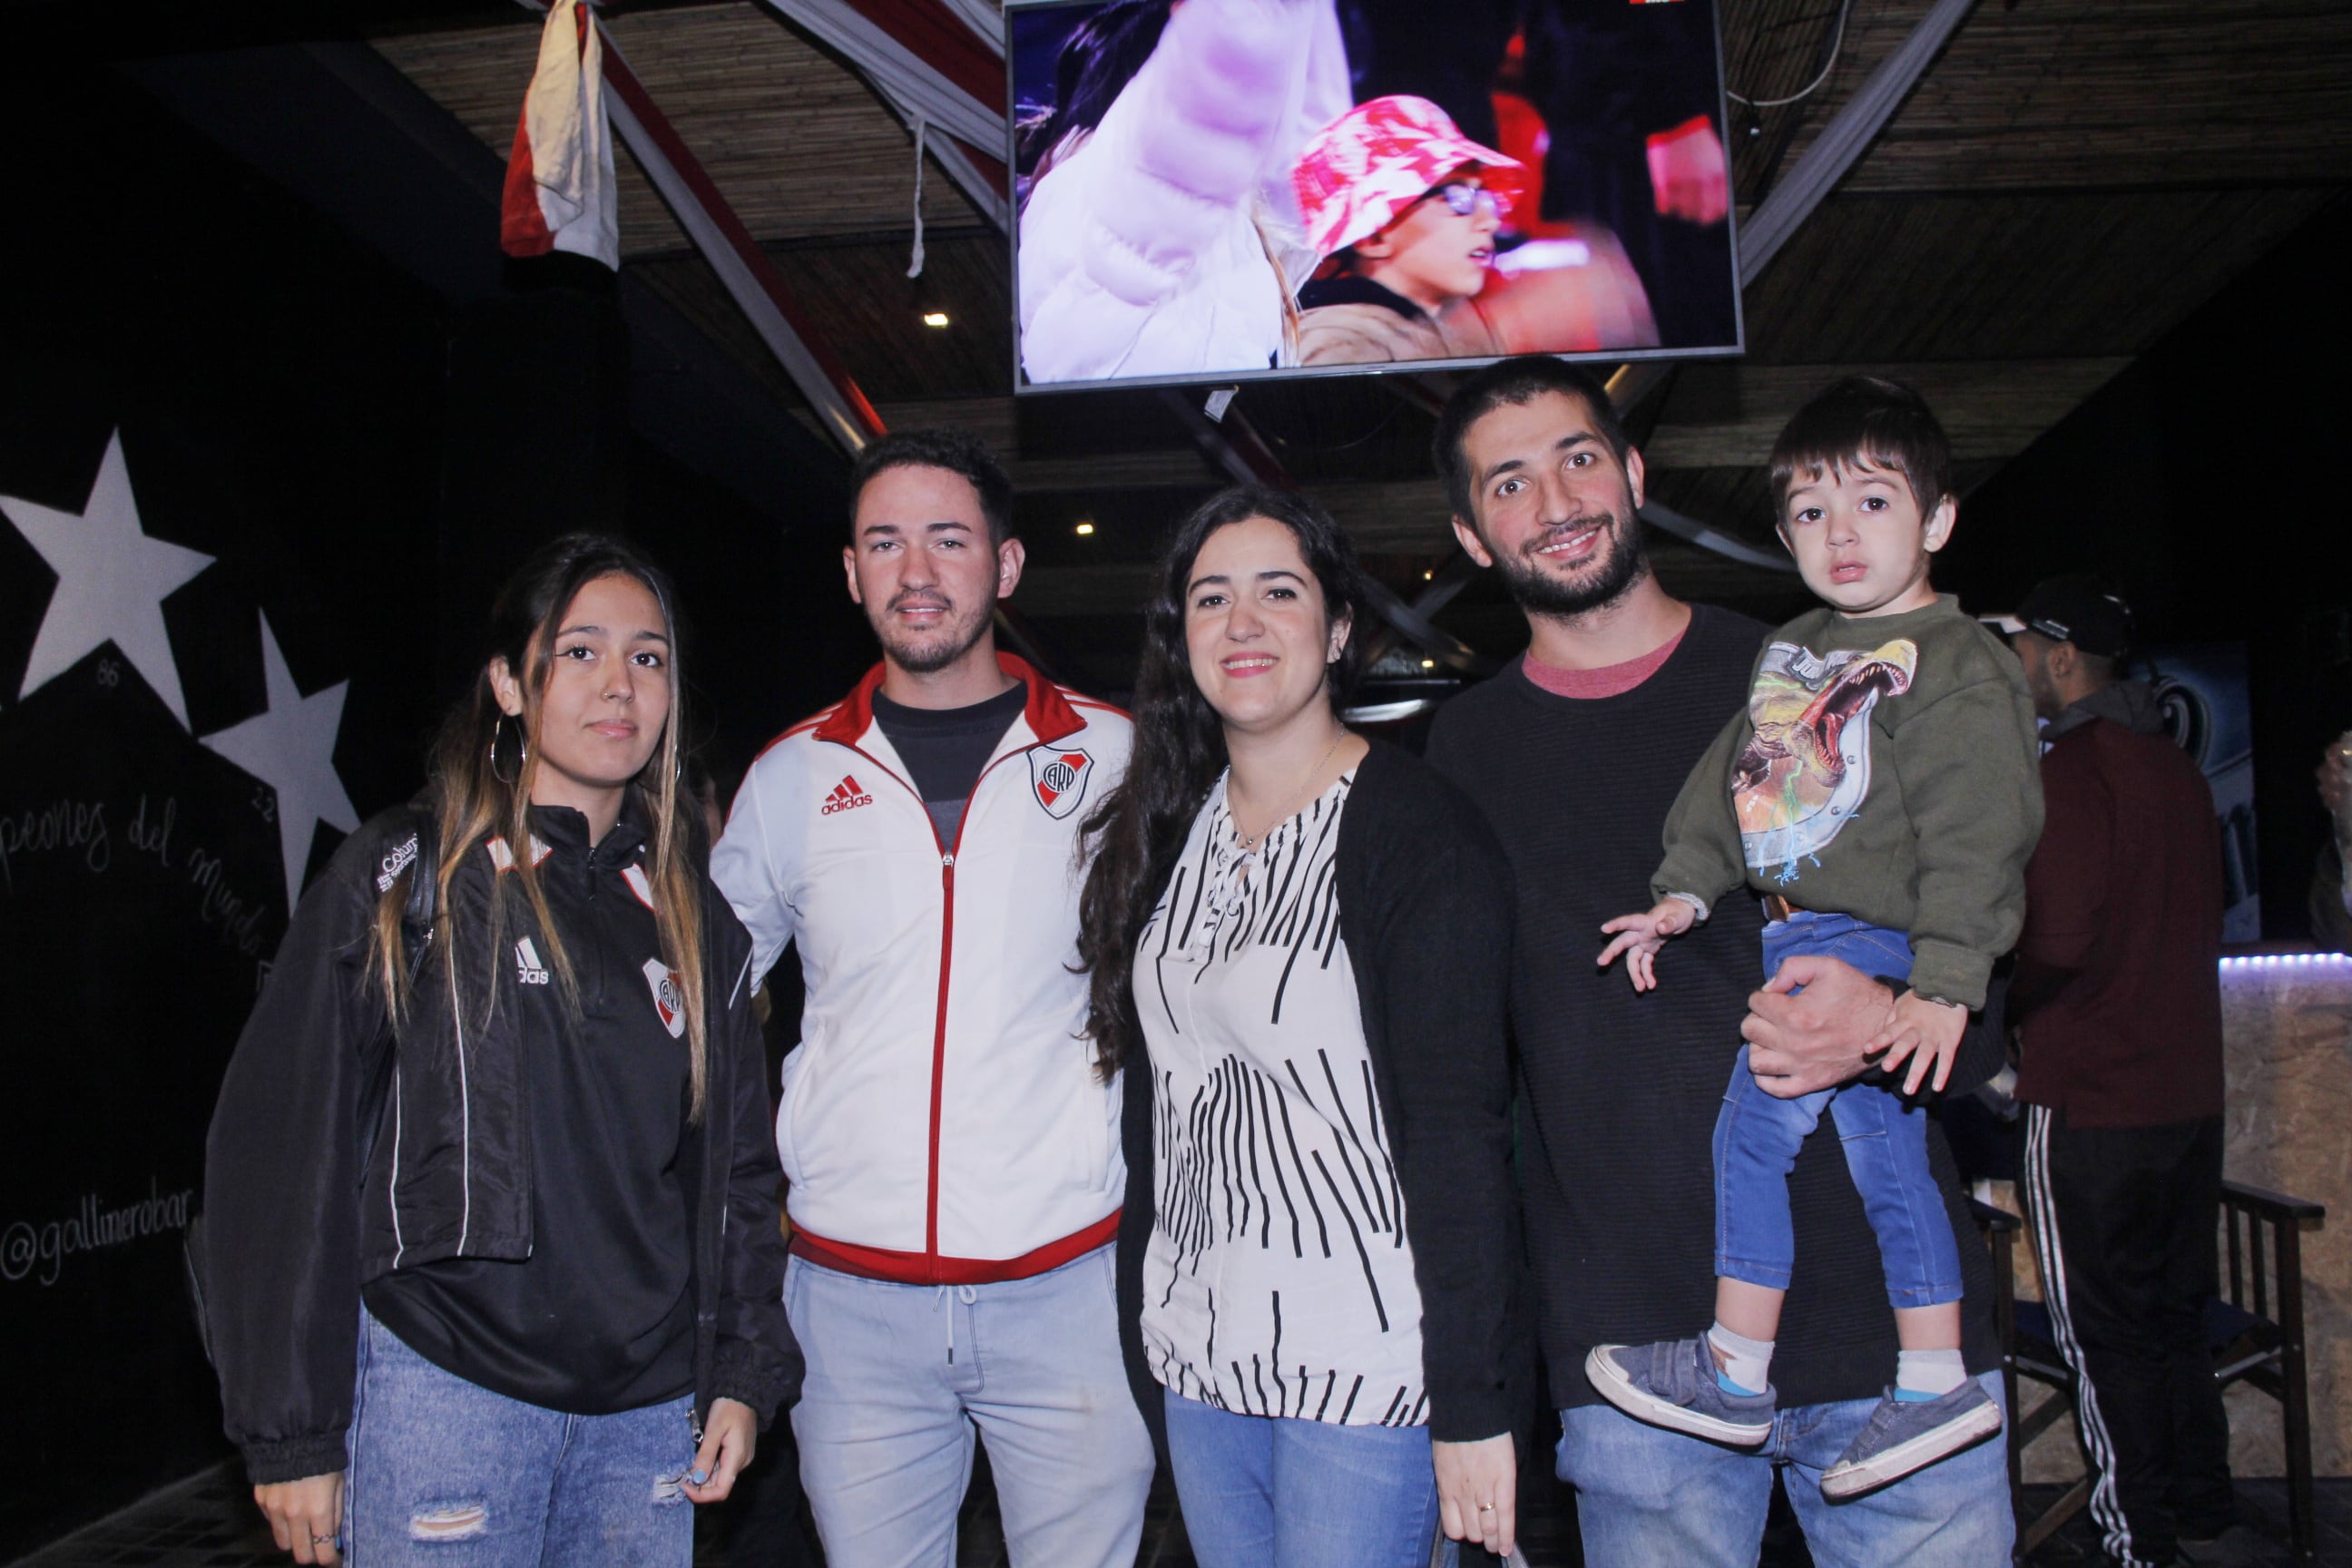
[[522, 750]]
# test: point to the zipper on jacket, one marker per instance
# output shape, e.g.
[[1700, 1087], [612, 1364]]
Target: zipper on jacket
[[939, 1031], [947, 956]]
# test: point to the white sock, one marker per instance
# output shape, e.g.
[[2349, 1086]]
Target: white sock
[[1928, 1373], [1746, 1364]]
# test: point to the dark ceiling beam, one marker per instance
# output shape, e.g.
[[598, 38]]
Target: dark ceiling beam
[[750, 279], [348, 134], [1658, 515], [934, 72], [148, 29], [1848, 134]]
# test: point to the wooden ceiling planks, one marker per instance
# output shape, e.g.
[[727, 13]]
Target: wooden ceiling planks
[[1993, 409], [871, 311], [874, 312], [1990, 408], [798, 143], [2022, 275], [2070, 93]]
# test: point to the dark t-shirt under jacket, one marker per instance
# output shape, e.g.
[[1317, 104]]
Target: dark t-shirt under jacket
[[946, 748]]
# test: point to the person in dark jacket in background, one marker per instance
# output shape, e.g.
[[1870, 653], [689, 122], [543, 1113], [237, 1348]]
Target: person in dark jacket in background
[[491, 1262], [1298, 945], [2118, 996]]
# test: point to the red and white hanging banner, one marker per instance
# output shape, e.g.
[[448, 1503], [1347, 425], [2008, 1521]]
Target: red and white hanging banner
[[560, 192]]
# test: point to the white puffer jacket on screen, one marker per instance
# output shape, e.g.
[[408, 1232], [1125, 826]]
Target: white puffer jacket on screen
[[1144, 246], [941, 1122]]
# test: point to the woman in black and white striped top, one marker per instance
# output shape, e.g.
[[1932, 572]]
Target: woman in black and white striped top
[[1300, 944]]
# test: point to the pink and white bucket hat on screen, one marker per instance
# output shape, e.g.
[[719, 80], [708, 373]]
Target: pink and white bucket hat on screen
[[1378, 158]]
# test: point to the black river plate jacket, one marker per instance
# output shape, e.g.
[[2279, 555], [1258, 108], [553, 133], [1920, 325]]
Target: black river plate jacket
[[294, 1224]]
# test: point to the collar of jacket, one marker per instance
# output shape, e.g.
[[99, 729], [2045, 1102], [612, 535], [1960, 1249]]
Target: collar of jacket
[[1049, 716], [2131, 703], [1351, 289], [564, 829]]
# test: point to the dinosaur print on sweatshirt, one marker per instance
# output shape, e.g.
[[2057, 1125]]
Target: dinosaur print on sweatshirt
[[1806, 770]]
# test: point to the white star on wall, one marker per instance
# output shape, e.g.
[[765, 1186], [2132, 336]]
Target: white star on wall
[[111, 583], [291, 747]]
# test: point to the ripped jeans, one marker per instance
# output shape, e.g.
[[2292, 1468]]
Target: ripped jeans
[[446, 1473]]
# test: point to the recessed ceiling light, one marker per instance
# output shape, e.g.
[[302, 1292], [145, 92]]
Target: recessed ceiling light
[[1428, 576], [1429, 664], [1085, 529], [935, 317]]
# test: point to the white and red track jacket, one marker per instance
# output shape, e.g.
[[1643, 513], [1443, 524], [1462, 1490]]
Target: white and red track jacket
[[941, 1122]]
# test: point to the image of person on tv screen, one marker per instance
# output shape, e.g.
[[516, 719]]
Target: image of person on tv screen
[[1403, 210], [1158, 233]]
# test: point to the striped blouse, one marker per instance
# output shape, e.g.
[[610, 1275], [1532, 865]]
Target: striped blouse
[[1277, 1282]]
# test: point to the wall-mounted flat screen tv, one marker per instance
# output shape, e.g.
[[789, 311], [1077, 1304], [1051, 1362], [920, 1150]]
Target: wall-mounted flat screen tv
[[1224, 190]]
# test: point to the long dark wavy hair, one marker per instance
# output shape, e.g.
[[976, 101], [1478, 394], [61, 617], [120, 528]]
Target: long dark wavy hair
[[472, 802], [1098, 60], [1137, 833]]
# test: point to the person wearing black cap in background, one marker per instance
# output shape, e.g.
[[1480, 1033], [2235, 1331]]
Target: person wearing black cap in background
[[2118, 993]]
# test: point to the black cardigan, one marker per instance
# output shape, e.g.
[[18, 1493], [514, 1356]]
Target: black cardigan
[[1425, 905]]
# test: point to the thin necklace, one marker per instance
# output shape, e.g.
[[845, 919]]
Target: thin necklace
[[1249, 841]]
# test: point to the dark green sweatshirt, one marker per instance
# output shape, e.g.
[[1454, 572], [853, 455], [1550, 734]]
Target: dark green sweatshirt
[[1886, 768]]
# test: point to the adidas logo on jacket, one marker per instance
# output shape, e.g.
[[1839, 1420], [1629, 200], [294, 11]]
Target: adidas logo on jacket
[[941, 1120]]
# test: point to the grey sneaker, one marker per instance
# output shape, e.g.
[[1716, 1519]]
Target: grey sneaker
[[1900, 1438], [1672, 1385]]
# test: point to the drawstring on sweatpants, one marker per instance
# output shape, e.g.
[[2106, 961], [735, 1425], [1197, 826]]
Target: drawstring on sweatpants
[[963, 1293]]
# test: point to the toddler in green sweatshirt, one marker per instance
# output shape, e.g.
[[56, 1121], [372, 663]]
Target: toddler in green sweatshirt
[[1882, 791]]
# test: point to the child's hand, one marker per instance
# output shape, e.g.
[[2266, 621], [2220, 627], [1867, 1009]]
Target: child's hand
[[1928, 1032], [1642, 935]]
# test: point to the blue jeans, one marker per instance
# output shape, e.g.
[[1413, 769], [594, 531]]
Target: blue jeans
[[1648, 1498], [444, 1472], [1756, 1137], [1267, 1491], [900, 1376]]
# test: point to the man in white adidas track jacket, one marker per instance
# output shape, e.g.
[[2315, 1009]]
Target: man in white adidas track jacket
[[954, 1158]]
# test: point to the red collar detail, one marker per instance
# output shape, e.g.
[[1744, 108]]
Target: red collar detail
[[1049, 714]]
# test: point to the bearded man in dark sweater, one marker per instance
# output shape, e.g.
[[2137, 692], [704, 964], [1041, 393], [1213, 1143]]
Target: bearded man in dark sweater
[[1576, 752]]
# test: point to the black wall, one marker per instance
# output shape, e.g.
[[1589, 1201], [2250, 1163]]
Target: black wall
[[2208, 482], [360, 457]]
